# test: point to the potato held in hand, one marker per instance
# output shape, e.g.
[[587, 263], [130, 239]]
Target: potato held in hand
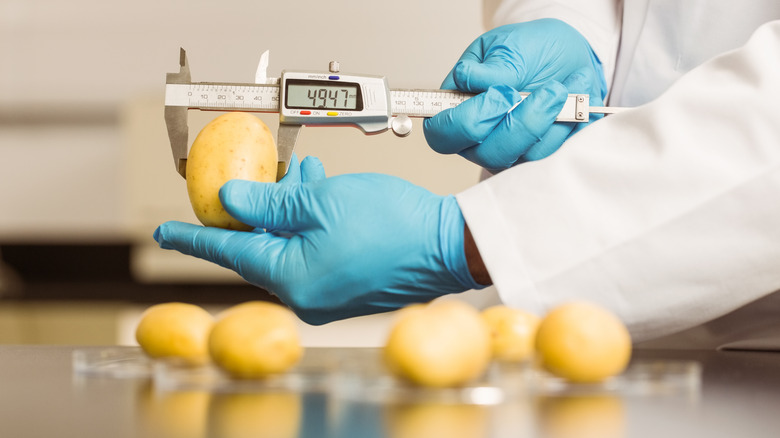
[[232, 146]]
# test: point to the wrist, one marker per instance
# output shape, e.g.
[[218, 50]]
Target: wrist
[[458, 248], [474, 261]]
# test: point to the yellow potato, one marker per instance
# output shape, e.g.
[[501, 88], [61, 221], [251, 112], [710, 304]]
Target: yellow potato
[[232, 146], [513, 332], [441, 344], [255, 339], [175, 330], [582, 342]]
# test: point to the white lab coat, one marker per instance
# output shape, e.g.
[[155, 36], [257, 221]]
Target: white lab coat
[[668, 214]]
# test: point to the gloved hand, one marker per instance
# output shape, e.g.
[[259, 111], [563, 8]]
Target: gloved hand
[[546, 57], [336, 247]]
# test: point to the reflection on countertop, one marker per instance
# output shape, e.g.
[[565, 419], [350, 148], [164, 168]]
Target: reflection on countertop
[[738, 396]]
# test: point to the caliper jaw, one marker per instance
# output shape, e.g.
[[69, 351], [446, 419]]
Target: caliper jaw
[[286, 137], [176, 118]]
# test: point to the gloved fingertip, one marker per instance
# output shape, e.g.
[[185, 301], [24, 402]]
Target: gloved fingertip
[[428, 126], [161, 234], [311, 159], [233, 191], [226, 188], [312, 169], [449, 82], [430, 122], [477, 76], [470, 76], [293, 174], [435, 130], [311, 162]]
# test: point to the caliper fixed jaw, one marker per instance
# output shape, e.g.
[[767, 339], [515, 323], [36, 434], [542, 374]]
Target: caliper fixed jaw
[[176, 117]]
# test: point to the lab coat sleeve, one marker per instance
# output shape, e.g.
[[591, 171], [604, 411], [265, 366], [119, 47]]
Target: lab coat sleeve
[[668, 214], [598, 21]]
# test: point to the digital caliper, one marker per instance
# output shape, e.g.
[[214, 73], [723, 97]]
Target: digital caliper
[[318, 98]]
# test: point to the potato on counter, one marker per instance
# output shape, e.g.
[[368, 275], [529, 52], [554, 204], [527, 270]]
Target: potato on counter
[[583, 342], [232, 146], [513, 332], [441, 344], [255, 339], [175, 330]]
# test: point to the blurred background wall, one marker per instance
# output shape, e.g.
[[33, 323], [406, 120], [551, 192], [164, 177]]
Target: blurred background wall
[[85, 161]]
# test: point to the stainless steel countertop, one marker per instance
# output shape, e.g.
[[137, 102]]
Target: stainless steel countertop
[[41, 396]]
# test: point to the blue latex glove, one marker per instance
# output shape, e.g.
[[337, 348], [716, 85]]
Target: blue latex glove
[[546, 57], [336, 247]]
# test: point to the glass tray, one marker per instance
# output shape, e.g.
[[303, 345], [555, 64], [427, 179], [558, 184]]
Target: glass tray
[[641, 378], [360, 375], [115, 362], [312, 374], [504, 382]]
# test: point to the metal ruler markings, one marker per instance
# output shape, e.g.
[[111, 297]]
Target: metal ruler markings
[[265, 98]]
